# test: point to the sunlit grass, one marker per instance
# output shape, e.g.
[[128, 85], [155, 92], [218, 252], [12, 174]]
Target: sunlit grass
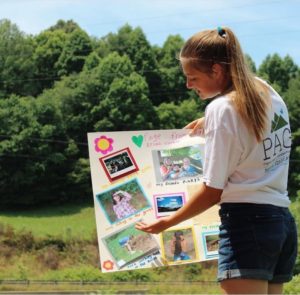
[[66, 220]]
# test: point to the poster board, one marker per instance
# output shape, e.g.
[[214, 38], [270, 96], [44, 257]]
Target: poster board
[[145, 175]]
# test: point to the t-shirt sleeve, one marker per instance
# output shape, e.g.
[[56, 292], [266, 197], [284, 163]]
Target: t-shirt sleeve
[[222, 155]]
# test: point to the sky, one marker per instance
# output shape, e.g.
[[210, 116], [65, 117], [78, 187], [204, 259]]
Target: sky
[[262, 26], [174, 201]]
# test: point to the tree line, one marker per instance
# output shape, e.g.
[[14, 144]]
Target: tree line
[[62, 83]]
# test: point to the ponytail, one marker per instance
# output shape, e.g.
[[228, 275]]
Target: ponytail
[[249, 95]]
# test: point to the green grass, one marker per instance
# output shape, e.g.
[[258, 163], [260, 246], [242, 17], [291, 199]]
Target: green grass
[[66, 220]]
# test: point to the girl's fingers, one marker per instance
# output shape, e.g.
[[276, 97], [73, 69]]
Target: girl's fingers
[[141, 225], [190, 125]]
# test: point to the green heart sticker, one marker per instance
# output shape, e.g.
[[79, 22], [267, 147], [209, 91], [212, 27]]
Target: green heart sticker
[[138, 140]]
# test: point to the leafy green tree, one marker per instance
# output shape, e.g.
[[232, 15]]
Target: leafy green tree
[[278, 71], [134, 43], [169, 54], [251, 63], [291, 98], [68, 26], [92, 61], [172, 116], [78, 46], [17, 68], [173, 86], [126, 106], [34, 152], [49, 47]]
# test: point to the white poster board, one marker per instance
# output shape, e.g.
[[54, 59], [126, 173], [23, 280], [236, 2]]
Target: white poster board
[[147, 175]]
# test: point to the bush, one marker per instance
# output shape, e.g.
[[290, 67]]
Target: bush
[[58, 243], [80, 273], [133, 276], [192, 272], [49, 258], [293, 287]]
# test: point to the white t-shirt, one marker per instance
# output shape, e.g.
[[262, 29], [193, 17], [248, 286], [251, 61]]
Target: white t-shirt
[[247, 171]]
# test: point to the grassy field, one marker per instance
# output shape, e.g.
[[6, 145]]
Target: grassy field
[[65, 221]]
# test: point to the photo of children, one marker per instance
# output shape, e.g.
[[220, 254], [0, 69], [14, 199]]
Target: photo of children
[[166, 204], [211, 244], [179, 245], [180, 163], [123, 201], [129, 245], [118, 164]]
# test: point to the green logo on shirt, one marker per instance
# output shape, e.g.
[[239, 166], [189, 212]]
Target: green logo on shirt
[[278, 143], [278, 122]]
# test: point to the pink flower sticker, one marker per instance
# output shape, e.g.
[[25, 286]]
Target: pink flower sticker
[[103, 144]]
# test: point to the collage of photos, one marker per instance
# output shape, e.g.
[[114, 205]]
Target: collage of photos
[[166, 204], [179, 245], [123, 201], [177, 164], [129, 245], [119, 164], [134, 180]]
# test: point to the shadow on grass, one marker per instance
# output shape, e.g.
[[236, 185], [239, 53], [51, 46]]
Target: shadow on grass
[[49, 210]]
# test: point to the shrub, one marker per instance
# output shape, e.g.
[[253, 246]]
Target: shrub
[[293, 287], [80, 273], [49, 258], [193, 271], [25, 241], [6, 251]]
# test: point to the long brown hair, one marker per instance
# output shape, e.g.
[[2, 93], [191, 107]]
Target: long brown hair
[[249, 95]]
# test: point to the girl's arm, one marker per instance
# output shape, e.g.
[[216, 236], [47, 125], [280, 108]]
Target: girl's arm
[[202, 200]]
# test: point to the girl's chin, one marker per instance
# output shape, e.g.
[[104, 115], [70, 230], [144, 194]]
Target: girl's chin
[[208, 96]]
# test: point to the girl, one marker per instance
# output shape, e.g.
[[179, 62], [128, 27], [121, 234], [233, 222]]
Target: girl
[[121, 204], [248, 142], [179, 247]]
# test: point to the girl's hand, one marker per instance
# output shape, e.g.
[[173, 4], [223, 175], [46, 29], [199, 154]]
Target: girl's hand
[[197, 126], [153, 228]]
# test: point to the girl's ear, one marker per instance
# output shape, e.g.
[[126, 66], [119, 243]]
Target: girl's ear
[[217, 70]]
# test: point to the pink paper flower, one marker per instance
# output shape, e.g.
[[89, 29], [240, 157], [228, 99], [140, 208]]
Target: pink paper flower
[[103, 144]]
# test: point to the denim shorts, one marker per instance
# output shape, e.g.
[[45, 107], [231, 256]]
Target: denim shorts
[[257, 241]]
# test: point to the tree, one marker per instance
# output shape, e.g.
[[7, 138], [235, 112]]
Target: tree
[[126, 106], [172, 116], [278, 71], [16, 67], [92, 61], [78, 46], [34, 152], [291, 98], [135, 45], [49, 47], [66, 26], [173, 86], [250, 63]]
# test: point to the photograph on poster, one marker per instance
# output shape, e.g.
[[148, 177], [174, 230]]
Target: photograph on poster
[[129, 245], [179, 245], [177, 163], [119, 164], [123, 201], [166, 204], [211, 244]]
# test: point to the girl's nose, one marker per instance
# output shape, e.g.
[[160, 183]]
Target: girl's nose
[[189, 84]]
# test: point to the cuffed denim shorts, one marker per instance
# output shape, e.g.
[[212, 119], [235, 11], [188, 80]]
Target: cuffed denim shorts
[[257, 241]]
